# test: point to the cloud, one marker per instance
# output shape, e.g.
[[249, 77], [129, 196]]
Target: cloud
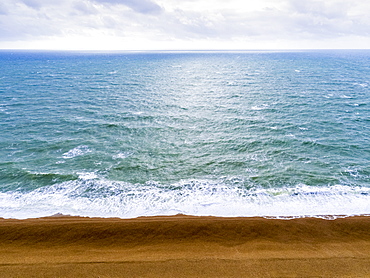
[[140, 6], [327, 19], [37, 4], [33, 3], [292, 19], [170, 22], [22, 22], [327, 9], [3, 9], [84, 8]]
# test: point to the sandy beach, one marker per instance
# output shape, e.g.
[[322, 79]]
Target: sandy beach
[[185, 246]]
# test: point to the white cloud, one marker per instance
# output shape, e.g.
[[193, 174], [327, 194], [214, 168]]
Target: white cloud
[[3, 9], [141, 6], [164, 24], [84, 7]]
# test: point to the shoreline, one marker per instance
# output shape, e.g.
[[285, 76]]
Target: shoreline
[[276, 217], [185, 246]]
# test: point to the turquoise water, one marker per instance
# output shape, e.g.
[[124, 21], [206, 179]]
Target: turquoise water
[[266, 133]]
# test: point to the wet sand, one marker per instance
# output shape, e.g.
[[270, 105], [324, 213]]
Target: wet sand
[[185, 246]]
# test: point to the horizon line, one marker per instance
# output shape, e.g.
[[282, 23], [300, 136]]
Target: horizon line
[[183, 50]]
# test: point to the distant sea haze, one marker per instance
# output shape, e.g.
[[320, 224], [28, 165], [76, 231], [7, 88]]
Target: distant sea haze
[[258, 133]]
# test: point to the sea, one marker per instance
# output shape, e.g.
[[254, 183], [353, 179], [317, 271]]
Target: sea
[[219, 133]]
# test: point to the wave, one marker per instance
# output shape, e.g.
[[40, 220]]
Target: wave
[[13, 177], [77, 151], [96, 197]]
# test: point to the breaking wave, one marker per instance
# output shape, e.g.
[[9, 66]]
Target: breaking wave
[[95, 197]]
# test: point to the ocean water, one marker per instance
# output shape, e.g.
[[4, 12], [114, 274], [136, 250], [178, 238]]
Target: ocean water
[[255, 133]]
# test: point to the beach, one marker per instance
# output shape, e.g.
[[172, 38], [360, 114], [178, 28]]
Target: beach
[[185, 163], [185, 246]]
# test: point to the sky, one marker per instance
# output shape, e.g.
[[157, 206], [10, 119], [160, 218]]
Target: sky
[[184, 24]]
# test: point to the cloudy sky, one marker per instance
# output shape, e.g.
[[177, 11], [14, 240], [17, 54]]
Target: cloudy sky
[[184, 24]]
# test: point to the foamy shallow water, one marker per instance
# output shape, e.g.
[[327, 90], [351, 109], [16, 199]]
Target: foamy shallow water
[[103, 198]]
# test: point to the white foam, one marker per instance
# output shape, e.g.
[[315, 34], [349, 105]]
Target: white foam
[[363, 85], [94, 197], [345, 96], [87, 175], [262, 107], [122, 155], [80, 150]]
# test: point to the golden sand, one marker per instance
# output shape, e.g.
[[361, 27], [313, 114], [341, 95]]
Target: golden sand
[[185, 246]]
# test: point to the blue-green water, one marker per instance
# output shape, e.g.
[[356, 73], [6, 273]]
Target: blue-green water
[[205, 133]]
